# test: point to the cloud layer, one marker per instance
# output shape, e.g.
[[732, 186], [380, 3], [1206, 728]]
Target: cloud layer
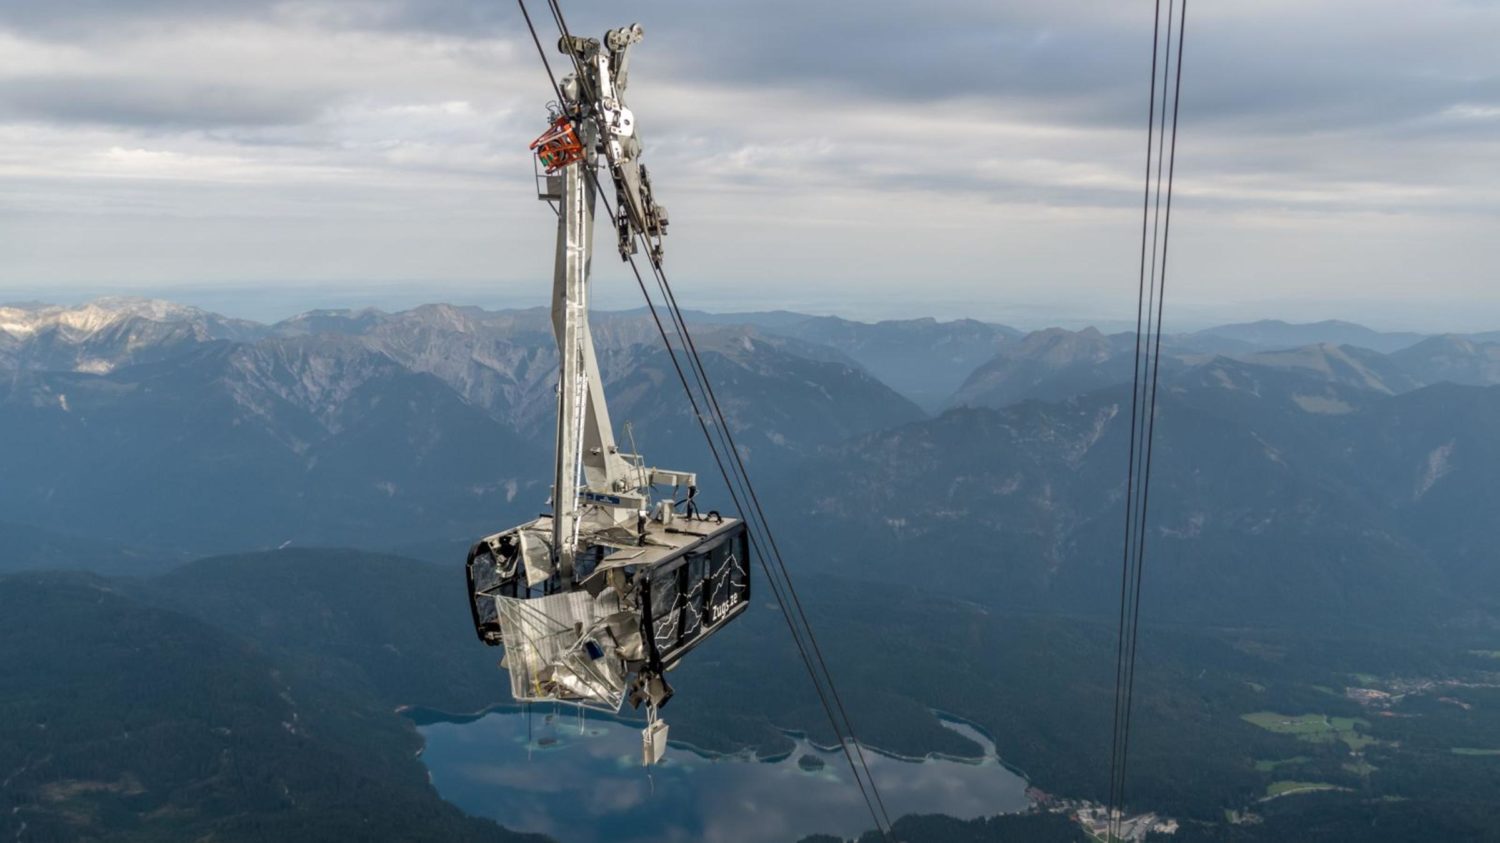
[[867, 157]]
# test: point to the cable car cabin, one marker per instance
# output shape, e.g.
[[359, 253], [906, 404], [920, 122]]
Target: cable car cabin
[[595, 602], [639, 602]]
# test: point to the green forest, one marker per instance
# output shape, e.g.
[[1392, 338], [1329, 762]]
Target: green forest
[[256, 697]]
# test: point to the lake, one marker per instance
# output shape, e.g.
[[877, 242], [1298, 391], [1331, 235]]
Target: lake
[[581, 781]]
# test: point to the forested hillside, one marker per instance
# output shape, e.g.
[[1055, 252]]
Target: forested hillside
[[122, 721]]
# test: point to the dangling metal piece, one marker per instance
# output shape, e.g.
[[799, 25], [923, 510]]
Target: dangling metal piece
[[653, 738]]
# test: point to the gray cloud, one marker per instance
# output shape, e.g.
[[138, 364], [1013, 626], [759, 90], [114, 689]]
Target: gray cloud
[[1006, 137], [74, 18], [1291, 68], [1294, 67], [155, 103]]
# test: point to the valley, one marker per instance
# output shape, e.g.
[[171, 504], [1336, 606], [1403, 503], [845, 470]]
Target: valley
[[1230, 717]]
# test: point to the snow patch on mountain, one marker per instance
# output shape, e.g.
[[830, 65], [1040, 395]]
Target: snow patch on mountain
[[1438, 464]]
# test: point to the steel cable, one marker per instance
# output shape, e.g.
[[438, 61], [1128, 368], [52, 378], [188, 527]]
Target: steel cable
[[1144, 391]]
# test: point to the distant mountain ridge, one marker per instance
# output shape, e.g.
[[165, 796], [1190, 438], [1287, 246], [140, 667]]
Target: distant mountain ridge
[[34, 317], [1274, 333], [1048, 365], [1452, 358], [923, 359], [498, 359], [432, 426], [104, 334], [1055, 364], [1280, 494], [369, 428], [235, 445]]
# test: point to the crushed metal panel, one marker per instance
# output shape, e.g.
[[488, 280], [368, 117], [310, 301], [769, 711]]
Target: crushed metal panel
[[561, 647], [536, 552]]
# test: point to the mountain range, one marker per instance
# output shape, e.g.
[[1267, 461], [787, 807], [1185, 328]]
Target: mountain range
[[1290, 482], [155, 427], [949, 494], [1279, 495]]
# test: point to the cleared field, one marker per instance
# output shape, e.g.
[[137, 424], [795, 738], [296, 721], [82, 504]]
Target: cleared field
[[1314, 728], [1291, 788], [1267, 765], [1290, 724], [1357, 741]]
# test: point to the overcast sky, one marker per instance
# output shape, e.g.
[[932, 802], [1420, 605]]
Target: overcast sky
[[875, 158]]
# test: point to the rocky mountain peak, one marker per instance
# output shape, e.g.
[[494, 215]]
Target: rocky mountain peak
[[91, 317]]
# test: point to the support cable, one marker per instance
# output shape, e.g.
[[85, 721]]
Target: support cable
[[1135, 389], [755, 516], [1150, 301], [760, 513], [1155, 382], [759, 545]]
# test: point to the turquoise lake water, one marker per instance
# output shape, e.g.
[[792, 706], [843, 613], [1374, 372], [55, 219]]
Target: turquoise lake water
[[581, 781]]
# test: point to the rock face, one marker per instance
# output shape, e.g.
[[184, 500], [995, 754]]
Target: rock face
[[105, 334]]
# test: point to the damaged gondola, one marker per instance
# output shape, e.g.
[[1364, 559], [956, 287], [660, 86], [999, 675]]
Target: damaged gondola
[[595, 601]]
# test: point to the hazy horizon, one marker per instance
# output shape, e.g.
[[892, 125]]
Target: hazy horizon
[[256, 305]]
